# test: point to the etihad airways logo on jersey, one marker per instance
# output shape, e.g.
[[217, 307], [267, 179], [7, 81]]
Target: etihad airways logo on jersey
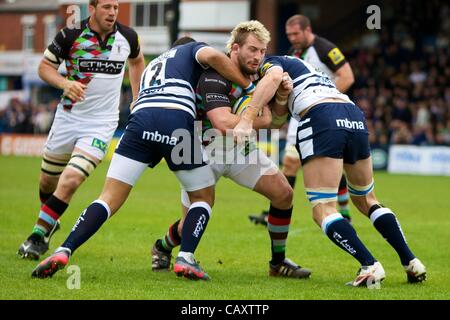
[[345, 123], [100, 66]]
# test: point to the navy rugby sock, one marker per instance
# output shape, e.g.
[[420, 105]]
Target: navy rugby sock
[[194, 226], [387, 224], [344, 236], [87, 225]]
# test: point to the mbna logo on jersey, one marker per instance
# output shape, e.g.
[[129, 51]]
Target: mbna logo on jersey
[[100, 66]]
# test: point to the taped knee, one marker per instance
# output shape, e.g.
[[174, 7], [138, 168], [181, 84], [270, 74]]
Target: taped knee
[[321, 195], [360, 191], [82, 164], [53, 167]]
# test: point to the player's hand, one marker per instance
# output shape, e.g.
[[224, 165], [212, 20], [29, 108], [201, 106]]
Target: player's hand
[[286, 86], [74, 90], [243, 130]]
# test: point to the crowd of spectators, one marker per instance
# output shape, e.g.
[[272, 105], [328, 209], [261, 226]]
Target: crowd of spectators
[[22, 117], [402, 76]]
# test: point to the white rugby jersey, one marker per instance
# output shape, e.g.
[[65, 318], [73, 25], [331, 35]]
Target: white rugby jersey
[[310, 84], [98, 64]]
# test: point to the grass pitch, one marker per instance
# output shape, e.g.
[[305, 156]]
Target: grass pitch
[[116, 262]]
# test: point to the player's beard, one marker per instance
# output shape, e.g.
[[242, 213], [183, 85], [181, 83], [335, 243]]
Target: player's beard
[[246, 69]]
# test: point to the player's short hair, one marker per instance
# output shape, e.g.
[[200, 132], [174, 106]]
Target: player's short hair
[[301, 20], [243, 29], [182, 40], [93, 3]]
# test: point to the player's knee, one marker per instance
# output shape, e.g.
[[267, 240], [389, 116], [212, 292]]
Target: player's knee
[[291, 154], [203, 195], [286, 195], [69, 182], [362, 196], [291, 165], [277, 190], [323, 210], [48, 183]]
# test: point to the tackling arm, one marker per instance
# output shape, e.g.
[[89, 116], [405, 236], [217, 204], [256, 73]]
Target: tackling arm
[[222, 119]]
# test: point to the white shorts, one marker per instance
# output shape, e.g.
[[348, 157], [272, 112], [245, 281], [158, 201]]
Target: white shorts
[[291, 140], [128, 171], [246, 175], [91, 137]]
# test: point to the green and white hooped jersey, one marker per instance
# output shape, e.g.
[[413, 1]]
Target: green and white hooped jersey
[[97, 63]]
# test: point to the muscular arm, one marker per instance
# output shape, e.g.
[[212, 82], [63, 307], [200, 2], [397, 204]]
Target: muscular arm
[[264, 92], [344, 77], [223, 65], [49, 73], [222, 119], [136, 67]]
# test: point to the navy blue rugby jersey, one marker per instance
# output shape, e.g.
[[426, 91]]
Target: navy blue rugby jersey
[[169, 81]]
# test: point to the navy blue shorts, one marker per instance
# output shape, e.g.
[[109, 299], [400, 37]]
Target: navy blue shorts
[[154, 133], [335, 130]]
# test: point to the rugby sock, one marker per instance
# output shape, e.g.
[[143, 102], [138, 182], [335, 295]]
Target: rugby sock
[[87, 224], [387, 224], [278, 227], [51, 210], [44, 196], [172, 239], [291, 180], [343, 197], [194, 225], [344, 236]]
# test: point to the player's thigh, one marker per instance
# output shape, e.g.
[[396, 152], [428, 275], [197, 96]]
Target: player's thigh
[[249, 174], [322, 172], [359, 173]]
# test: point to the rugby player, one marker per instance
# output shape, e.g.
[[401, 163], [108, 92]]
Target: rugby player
[[332, 137], [95, 55], [246, 47], [326, 57]]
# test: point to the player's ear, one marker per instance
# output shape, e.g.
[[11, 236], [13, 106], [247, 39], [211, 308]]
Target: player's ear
[[234, 47]]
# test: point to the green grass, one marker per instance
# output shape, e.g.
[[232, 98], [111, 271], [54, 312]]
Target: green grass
[[115, 263]]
